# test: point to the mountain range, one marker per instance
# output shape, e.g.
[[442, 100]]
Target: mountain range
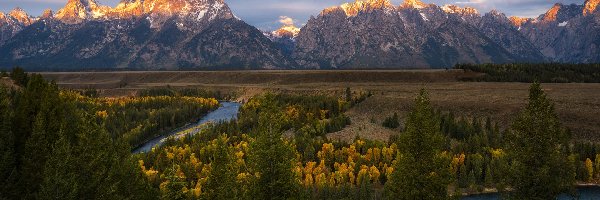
[[205, 34]]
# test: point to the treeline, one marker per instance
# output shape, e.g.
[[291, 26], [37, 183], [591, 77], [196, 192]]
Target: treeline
[[436, 153], [62, 145], [139, 119], [184, 92], [251, 144], [51, 149], [529, 73]]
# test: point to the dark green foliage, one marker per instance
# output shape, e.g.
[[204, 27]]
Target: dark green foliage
[[59, 152], [421, 169], [174, 186], [310, 115], [92, 93], [272, 158], [348, 94], [8, 170], [19, 76], [221, 182], [188, 92], [546, 73], [140, 120], [538, 145], [392, 122], [155, 92]]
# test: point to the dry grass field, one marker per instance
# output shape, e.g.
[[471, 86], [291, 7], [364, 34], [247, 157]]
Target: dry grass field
[[578, 105]]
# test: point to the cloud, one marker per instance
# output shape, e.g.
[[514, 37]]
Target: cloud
[[285, 20], [471, 2]]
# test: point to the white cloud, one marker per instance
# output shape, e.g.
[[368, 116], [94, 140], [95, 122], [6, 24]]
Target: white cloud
[[285, 20], [471, 2]]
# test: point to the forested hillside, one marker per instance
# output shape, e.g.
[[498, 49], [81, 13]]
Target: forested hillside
[[62, 144]]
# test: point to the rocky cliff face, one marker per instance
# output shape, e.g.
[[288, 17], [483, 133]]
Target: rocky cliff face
[[375, 34], [284, 38], [567, 33], [205, 34], [12, 23], [502, 31], [141, 34]]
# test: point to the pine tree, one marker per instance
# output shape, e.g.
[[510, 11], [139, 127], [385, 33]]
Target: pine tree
[[272, 159], [488, 179], [538, 145], [47, 121], [60, 177], [221, 182], [348, 95], [8, 171], [19, 76], [421, 171], [86, 164], [173, 188]]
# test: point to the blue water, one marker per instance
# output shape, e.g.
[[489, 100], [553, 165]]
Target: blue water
[[585, 193], [228, 111]]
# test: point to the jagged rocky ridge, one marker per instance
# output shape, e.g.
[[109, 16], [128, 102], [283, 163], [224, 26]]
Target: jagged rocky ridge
[[376, 34], [204, 34], [284, 38], [140, 34], [567, 33]]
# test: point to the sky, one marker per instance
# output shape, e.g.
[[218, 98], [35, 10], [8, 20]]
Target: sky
[[270, 14]]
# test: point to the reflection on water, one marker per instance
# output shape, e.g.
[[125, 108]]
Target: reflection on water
[[226, 112]]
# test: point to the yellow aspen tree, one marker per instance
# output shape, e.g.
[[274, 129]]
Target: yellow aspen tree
[[308, 180], [589, 166], [351, 177], [374, 173], [321, 180], [597, 165]]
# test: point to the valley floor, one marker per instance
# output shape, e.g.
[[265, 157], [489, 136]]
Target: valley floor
[[578, 105]]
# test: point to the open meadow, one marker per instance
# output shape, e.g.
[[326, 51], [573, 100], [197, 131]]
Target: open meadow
[[577, 104]]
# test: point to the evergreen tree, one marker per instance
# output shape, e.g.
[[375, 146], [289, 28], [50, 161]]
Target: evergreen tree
[[86, 164], [19, 76], [348, 94], [272, 159], [538, 145], [60, 177], [221, 182], [392, 122], [8, 171], [173, 188], [420, 171]]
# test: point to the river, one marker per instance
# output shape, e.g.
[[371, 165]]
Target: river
[[584, 192], [226, 112], [229, 111]]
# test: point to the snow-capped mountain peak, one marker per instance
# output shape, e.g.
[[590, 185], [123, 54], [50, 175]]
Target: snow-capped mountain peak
[[21, 16], [416, 4], [591, 6], [519, 21], [47, 14], [353, 8], [458, 10], [77, 11], [552, 14], [289, 31], [560, 12]]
